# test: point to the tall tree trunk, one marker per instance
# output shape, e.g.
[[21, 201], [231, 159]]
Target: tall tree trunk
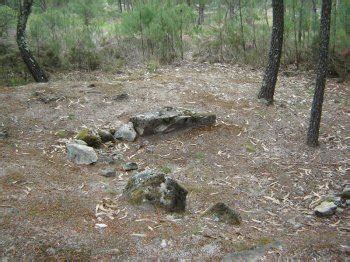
[[241, 22], [188, 2], [321, 74], [38, 74], [270, 78]]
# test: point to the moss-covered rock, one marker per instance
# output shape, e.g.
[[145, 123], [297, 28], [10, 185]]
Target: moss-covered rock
[[222, 213], [89, 138], [153, 187]]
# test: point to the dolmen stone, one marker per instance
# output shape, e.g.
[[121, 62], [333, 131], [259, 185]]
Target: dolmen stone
[[81, 154], [169, 119], [154, 187], [222, 213]]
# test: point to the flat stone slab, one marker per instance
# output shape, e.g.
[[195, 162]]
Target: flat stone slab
[[170, 119]]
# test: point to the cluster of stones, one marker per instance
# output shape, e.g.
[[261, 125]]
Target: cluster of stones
[[331, 204], [150, 186]]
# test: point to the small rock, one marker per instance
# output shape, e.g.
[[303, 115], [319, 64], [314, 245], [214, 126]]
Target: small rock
[[325, 209], [51, 251], [163, 244], [120, 97], [100, 226], [347, 202], [126, 132], [222, 213], [345, 194], [130, 166], [3, 133], [81, 154], [105, 136], [108, 172], [91, 139], [154, 187], [169, 119]]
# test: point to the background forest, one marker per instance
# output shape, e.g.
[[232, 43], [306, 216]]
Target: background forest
[[111, 34]]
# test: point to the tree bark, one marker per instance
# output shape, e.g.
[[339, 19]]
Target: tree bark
[[28, 58], [201, 12], [321, 74], [270, 78], [241, 23]]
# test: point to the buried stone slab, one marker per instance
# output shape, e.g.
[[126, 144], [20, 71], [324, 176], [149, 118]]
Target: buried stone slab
[[169, 119], [222, 213], [155, 188], [81, 154]]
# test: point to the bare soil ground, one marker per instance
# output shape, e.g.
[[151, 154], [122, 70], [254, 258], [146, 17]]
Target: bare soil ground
[[255, 160]]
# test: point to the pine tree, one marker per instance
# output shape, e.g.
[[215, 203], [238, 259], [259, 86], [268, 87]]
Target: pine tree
[[28, 58], [270, 78], [321, 74]]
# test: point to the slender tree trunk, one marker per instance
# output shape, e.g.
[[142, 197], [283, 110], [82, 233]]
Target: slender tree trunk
[[201, 13], [314, 19], [300, 21], [270, 78], [321, 74], [297, 55], [334, 25], [241, 22], [38, 74], [266, 17], [188, 2], [120, 6]]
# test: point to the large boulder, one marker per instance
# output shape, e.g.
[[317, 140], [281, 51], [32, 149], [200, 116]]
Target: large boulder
[[126, 132], [81, 154], [169, 119], [154, 187]]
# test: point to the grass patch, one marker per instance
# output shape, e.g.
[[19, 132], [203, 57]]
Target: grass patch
[[165, 169]]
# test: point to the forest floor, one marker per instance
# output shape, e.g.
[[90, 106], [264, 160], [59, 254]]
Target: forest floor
[[254, 159]]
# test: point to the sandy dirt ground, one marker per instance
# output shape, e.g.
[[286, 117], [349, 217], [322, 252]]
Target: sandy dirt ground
[[254, 159]]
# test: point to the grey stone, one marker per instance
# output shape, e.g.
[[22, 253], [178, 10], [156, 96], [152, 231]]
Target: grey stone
[[169, 119], [105, 136], [120, 97], [153, 187], [108, 172], [80, 142], [3, 133], [325, 209], [126, 132], [130, 166], [222, 213], [81, 154], [345, 194]]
